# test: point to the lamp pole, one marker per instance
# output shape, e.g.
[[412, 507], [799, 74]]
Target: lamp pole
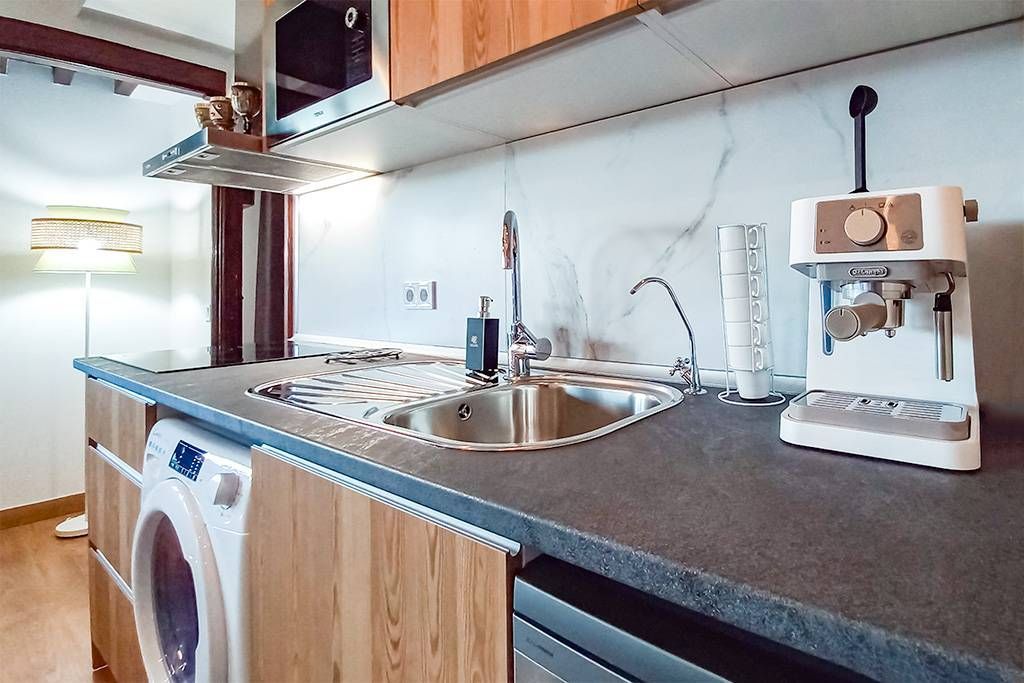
[[88, 294]]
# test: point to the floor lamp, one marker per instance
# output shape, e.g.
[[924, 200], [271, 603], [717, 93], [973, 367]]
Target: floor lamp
[[88, 240]]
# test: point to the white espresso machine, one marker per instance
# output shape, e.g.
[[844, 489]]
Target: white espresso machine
[[890, 353]]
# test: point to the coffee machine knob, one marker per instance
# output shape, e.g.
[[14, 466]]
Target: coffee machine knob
[[864, 227]]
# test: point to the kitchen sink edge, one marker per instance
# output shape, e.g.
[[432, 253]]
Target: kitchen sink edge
[[592, 405]]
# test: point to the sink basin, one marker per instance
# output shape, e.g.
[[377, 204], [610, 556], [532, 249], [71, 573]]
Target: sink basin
[[537, 412], [436, 402]]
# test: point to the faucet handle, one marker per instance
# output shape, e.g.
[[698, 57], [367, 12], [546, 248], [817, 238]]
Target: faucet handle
[[682, 366], [542, 349]]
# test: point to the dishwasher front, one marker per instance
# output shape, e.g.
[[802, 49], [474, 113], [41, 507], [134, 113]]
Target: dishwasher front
[[572, 626]]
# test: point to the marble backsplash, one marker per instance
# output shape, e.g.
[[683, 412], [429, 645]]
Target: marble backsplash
[[604, 204]]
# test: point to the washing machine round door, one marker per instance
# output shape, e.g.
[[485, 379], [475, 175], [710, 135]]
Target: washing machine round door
[[179, 611]]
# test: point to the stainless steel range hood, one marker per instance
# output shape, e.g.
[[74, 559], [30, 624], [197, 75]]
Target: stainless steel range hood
[[220, 157]]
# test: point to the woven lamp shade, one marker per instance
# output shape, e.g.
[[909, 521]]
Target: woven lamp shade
[[75, 233], [85, 239]]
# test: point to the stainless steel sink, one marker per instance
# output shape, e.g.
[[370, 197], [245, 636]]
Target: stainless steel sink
[[540, 411], [433, 402]]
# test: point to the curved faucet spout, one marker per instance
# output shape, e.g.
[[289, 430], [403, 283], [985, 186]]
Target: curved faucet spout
[[692, 373], [523, 346]]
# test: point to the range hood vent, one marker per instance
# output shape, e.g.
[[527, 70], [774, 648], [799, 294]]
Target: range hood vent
[[220, 157]]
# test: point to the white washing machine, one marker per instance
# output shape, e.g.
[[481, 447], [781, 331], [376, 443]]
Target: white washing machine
[[189, 556]]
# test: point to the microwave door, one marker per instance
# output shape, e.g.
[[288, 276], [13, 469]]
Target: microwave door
[[318, 56], [322, 51]]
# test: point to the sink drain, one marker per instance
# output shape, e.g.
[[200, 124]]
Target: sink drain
[[465, 412]]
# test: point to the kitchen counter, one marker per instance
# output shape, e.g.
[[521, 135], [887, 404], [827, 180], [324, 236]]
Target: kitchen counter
[[898, 572]]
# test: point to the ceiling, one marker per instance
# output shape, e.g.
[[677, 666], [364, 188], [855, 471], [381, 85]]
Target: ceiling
[[210, 21]]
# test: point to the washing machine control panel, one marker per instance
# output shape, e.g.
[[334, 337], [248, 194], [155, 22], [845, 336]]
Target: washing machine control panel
[[187, 460]]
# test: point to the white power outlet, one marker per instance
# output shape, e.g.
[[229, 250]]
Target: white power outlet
[[420, 295]]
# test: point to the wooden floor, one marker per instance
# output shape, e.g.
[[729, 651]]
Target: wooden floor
[[44, 607]]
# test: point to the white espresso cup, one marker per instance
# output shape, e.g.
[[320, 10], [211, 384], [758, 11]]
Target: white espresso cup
[[746, 333], [740, 357], [753, 384], [735, 262], [750, 357], [732, 237], [735, 286], [740, 309]]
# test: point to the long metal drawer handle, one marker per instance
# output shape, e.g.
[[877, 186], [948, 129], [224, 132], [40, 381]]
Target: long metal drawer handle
[[126, 470], [121, 584], [423, 512], [130, 394]]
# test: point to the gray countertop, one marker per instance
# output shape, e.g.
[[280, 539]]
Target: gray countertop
[[898, 572]]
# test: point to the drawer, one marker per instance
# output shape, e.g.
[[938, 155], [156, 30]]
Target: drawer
[[118, 420], [113, 623], [112, 498]]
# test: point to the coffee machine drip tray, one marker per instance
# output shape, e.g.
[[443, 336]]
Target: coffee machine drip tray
[[885, 414]]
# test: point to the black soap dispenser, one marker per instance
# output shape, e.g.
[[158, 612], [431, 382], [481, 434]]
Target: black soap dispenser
[[482, 341]]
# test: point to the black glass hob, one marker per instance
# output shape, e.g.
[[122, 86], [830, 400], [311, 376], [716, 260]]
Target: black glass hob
[[171, 360]]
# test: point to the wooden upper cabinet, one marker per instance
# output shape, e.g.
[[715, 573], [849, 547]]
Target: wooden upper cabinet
[[537, 21], [435, 40], [349, 589]]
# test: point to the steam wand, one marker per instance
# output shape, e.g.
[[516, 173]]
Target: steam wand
[[943, 311]]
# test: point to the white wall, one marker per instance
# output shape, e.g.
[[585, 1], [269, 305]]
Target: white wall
[[85, 145], [604, 204]]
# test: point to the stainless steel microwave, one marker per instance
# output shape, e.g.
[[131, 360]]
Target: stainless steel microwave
[[323, 61]]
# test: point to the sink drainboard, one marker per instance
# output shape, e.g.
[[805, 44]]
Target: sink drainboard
[[360, 393]]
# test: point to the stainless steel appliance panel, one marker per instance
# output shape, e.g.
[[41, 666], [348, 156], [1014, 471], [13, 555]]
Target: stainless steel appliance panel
[[324, 60]]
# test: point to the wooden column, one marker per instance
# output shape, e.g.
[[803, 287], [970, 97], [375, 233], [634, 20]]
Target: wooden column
[[226, 278], [274, 266]]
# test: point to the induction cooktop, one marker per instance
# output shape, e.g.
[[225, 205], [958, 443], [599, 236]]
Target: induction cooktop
[[172, 360]]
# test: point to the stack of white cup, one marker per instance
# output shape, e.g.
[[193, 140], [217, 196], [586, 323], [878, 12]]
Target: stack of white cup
[[745, 306]]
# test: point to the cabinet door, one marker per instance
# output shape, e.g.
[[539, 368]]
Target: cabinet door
[[436, 40], [347, 588], [118, 420], [112, 499], [112, 618]]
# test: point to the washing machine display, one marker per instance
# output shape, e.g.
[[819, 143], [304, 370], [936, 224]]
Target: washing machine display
[[187, 460]]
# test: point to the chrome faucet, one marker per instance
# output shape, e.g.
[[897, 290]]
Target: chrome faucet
[[523, 346], [687, 368]]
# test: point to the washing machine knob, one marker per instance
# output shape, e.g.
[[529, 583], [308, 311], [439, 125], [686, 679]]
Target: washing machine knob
[[226, 487]]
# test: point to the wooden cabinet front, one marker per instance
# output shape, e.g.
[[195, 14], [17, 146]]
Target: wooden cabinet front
[[347, 588], [112, 618], [117, 424], [113, 503], [118, 421], [435, 40]]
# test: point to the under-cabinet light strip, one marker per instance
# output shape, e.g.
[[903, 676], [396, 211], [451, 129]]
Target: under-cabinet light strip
[[448, 522]]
